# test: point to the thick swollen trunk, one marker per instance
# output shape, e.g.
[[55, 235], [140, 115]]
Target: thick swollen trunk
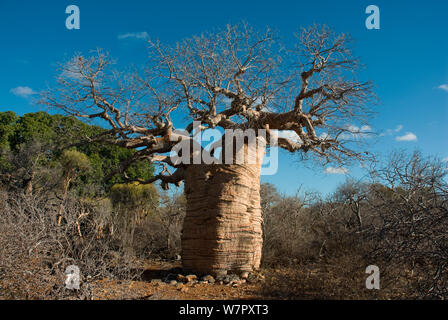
[[222, 229]]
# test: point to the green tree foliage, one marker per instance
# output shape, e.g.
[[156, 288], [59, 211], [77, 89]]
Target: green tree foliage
[[7, 121], [73, 163], [134, 196], [56, 133], [132, 203]]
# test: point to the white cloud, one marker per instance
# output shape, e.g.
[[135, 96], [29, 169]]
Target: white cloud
[[443, 87], [333, 170], [366, 128], [356, 132], [23, 92], [133, 35], [390, 132], [445, 159], [409, 136]]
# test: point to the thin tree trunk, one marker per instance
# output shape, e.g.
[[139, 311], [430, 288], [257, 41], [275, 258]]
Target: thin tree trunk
[[29, 185], [222, 230], [64, 197]]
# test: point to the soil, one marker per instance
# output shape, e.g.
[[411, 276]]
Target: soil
[[149, 288], [301, 282]]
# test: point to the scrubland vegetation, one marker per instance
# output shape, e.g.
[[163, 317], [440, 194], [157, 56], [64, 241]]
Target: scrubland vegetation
[[58, 209]]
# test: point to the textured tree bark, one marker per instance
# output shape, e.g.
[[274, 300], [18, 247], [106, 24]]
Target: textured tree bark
[[222, 229]]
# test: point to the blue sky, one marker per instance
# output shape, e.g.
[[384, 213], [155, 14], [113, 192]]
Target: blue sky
[[406, 59]]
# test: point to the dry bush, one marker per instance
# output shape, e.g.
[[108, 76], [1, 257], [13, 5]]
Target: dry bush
[[398, 221], [158, 235], [288, 233], [316, 249], [411, 199], [306, 229], [35, 251]]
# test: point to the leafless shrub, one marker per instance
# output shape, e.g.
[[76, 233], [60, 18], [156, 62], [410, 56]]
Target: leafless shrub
[[159, 234], [411, 199], [290, 228], [35, 251], [398, 220]]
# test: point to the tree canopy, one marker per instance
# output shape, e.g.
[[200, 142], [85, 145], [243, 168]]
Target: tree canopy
[[51, 137], [234, 78]]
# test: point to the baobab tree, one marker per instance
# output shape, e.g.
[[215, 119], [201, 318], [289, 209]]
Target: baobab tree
[[234, 78]]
